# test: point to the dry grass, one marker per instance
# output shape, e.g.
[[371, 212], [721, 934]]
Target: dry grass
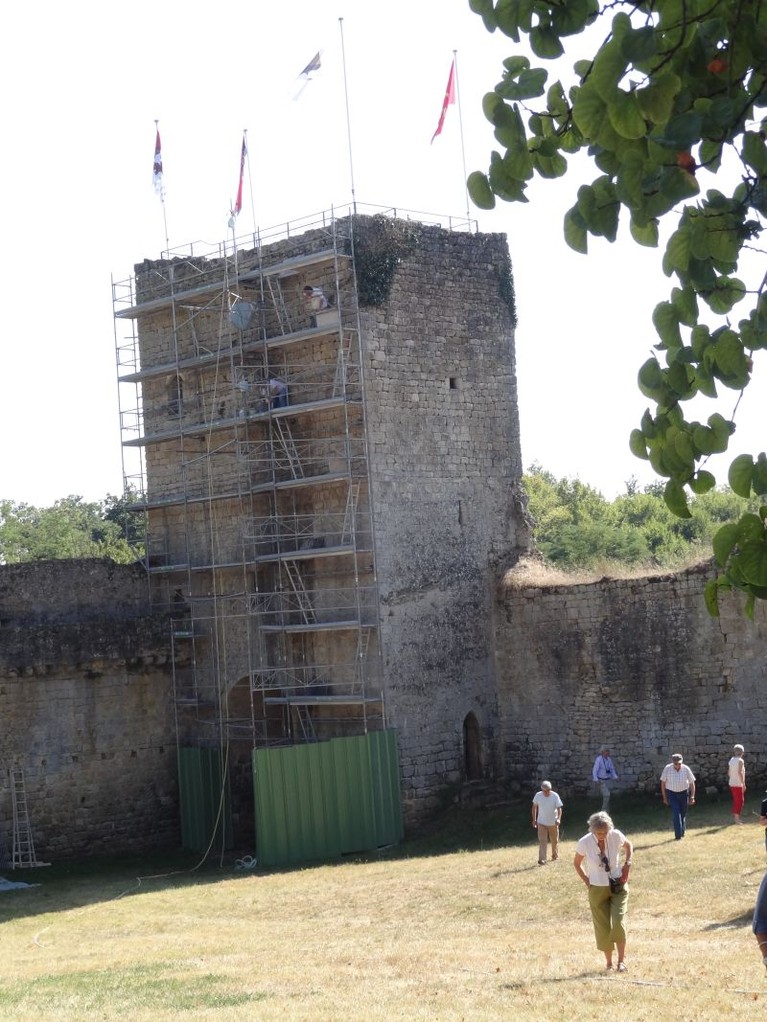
[[535, 572], [429, 934]]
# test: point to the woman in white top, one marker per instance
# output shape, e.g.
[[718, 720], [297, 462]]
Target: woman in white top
[[607, 881], [736, 776]]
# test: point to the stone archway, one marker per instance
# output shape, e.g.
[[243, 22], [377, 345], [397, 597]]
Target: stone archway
[[472, 748]]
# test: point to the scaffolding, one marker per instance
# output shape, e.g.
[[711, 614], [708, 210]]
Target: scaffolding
[[244, 439]]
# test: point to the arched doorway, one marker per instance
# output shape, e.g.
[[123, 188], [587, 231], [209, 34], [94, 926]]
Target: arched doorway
[[472, 748]]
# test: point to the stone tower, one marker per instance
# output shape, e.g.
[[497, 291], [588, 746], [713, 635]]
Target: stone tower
[[331, 492]]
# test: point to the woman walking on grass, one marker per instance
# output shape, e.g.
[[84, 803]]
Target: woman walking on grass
[[607, 881]]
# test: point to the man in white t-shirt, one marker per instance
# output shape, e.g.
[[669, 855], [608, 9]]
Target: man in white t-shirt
[[547, 812]]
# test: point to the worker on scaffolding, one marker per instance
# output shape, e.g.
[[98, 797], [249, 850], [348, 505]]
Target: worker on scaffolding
[[278, 393], [315, 301]]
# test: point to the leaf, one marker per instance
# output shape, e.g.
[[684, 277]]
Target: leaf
[[638, 445], [638, 45], [666, 322], [646, 235], [740, 474], [479, 190], [722, 431], [625, 115], [656, 100], [528, 85], [759, 479], [702, 482], [545, 42], [728, 291], [677, 256], [589, 110], [724, 542], [650, 378], [752, 562], [685, 303], [576, 235], [681, 132], [676, 499], [711, 597]]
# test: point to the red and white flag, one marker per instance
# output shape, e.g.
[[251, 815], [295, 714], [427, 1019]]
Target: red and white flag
[[157, 168], [238, 200], [448, 100]]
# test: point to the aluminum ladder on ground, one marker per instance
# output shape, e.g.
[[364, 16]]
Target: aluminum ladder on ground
[[23, 855]]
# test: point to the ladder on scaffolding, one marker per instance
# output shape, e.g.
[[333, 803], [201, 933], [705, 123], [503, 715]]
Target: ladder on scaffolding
[[23, 855], [285, 445], [342, 365], [278, 301], [303, 602], [305, 722], [349, 530]]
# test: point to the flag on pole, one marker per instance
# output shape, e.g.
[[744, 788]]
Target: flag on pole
[[306, 75], [314, 64], [238, 200], [157, 168], [448, 100]]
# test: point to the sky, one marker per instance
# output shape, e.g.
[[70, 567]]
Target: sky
[[84, 84]]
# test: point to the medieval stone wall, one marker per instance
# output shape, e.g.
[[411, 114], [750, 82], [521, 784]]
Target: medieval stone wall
[[443, 435], [86, 709], [635, 664]]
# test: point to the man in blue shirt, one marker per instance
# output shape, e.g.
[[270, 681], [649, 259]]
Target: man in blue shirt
[[604, 773]]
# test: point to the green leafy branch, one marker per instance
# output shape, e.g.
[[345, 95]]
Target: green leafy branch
[[672, 91]]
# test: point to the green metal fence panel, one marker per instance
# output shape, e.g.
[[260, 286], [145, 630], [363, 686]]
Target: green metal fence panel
[[325, 799], [204, 809], [385, 775]]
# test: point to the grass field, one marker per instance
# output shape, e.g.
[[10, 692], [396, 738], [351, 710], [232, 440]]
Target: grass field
[[461, 924]]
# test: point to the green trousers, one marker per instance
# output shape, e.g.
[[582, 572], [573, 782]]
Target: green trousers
[[608, 912]]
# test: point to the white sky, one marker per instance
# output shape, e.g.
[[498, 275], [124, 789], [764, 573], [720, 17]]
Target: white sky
[[83, 83]]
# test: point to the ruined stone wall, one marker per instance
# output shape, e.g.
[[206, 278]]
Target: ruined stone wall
[[636, 664], [445, 464], [86, 709]]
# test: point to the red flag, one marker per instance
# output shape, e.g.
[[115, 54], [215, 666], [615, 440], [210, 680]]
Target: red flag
[[157, 167], [449, 98], [238, 200]]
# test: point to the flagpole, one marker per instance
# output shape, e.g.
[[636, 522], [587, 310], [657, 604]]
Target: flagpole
[[348, 120], [460, 125], [162, 187]]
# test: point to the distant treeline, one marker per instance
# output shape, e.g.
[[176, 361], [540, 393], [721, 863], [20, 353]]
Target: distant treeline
[[575, 527]]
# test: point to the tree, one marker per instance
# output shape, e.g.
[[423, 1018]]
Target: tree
[[671, 94], [70, 528], [575, 527]]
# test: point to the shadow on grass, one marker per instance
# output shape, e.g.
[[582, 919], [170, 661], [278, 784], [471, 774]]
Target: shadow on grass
[[744, 919], [453, 831]]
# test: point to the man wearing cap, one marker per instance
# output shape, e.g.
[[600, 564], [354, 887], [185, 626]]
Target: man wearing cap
[[547, 812], [677, 786]]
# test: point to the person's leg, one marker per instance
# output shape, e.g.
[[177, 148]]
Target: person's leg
[[543, 837], [737, 803], [618, 908], [683, 812], [554, 838], [604, 789], [674, 800], [599, 903], [759, 924]]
